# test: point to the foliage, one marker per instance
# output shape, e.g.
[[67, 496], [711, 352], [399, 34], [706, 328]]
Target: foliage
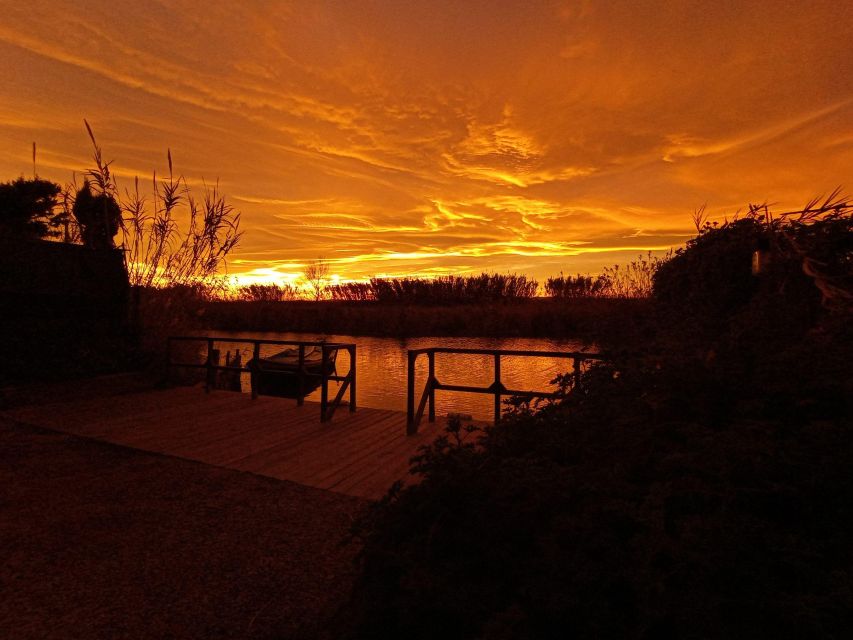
[[576, 287], [695, 488], [27, 208], [315, 275], [157, 253], [486, 287], [352, 292], [806, 260], [265, 293], [631, 280], [713, 272], [608, 516], [98, 216], [635, 279]]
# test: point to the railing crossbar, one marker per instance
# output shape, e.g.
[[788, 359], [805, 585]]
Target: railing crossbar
[[327, 408], [496, 389]]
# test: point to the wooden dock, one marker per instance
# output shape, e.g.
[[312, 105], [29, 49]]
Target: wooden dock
[[359, 454]]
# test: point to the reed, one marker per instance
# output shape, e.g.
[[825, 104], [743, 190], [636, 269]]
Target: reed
[[265, 293], [578, 286], [486, 287], [157, 252]]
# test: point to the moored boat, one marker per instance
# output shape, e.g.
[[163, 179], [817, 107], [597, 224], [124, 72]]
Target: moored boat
[[278, 374]]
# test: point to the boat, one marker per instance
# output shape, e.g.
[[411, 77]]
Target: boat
[[278, 374]]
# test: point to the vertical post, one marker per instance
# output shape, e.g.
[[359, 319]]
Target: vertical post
[[300, 396], [430, 383], [497, 387], [352, 378], [576, 374], [411, 427], [209, 381], [255, 368], [324, 388], [169, 361]]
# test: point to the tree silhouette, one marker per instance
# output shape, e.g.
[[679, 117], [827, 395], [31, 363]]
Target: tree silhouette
[[26, 208], [315, 274]]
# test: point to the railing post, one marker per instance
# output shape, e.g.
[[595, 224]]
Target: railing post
[[430, 382], [253, 373], [300, 397], [324, 387], [497, 387], [576, 374], [352, 377], [411, 427], [169, 361], [209, 378]]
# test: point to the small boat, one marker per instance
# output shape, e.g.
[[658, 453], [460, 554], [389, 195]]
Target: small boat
[[278, 375]]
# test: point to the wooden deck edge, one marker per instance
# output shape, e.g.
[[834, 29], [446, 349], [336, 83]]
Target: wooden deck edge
[[97, 386], [6, 420]]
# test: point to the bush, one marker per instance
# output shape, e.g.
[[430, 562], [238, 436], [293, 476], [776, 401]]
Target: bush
[[441, 290], [265, 293], [605, 517], [26, 208], [696, 489], [712, 275], [576, 287]]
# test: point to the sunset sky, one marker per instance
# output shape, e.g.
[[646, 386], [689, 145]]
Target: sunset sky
[[441, 137]]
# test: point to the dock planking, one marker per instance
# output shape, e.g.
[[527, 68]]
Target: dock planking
[[359, 454]]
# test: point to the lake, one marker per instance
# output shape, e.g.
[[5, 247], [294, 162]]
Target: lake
[[382, 363]]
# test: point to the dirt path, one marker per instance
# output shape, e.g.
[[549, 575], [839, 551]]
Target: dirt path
[[102, 541]]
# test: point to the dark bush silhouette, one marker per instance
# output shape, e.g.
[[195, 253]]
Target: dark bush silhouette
[[265, 293], [578, 286], [27, 208], [99, 217], [712, 275], [695, 488], [486, 287]]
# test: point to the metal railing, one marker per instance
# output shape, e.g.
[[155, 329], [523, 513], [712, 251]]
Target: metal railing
[[497, 389], [327, 408]]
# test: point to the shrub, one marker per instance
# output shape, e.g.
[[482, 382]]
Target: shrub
[[576, 287], [26, 208], [352, 291], [634, 279], [157, 253], [265, 293], [610, 516], [683, 492]]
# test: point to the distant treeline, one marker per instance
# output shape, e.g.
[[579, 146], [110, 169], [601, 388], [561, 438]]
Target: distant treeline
[[485, 287], [633, 280]]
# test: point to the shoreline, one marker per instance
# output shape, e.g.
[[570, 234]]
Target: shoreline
[[584, 319]]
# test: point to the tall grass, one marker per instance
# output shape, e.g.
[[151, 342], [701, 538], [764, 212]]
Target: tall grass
[[175, 245], [578, 286], [157, 252], [632, 280], [265, 293], [486, 287]]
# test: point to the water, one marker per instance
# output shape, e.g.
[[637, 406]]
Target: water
[[382, 367]]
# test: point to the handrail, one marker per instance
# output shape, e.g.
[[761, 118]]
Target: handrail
[[427, 401], [327, 408]]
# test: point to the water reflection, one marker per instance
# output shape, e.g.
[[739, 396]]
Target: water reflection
[[382, 366]]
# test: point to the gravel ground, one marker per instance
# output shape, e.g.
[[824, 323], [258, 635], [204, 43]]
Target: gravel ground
[[102, 541]]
